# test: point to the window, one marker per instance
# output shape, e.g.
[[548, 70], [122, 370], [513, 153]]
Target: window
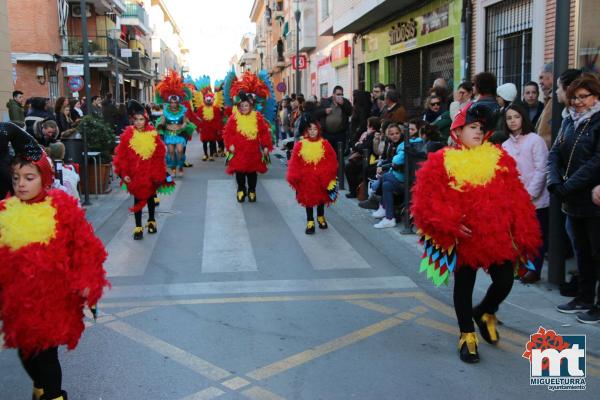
[[361, 76], [508, 41], [324, 9], [373, 72], [324, 90]]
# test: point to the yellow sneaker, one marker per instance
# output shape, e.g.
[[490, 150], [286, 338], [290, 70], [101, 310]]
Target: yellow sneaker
[[241, 196], [252, 197], [152, 227], [138, 233], [467, 347], [310, 227]]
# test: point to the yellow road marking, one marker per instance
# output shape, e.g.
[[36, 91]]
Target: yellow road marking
[[206, 394], [133, 311], [258, 393], [369, 305], [176, 354], [235, 383], [259, 299], [435, 304], [326, 348]]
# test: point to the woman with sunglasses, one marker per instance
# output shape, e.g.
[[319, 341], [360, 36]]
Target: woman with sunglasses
[[573, 172], [473, 212]]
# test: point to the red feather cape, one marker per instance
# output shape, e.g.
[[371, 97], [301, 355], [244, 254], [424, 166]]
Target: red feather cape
[[209, 130], [44, 287], [499, 213], [247, 155], [310, 180], [146, 175]]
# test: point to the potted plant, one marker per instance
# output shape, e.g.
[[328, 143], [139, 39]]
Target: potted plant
[[100, 138]]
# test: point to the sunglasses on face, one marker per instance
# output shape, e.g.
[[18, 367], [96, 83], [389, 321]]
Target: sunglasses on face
[[435, 104]]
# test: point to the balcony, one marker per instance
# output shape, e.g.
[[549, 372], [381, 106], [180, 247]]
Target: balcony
[[100, 47], [277, 58], [135, 15], [290, 43], [140, 66]]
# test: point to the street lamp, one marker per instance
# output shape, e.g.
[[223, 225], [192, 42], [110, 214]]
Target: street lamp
[[297, 15], [115, 35]]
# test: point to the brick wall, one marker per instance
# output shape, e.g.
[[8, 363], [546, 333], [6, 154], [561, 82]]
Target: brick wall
[[6, 86], [34, 26], [549, 33]]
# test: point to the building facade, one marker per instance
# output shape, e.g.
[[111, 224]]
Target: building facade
[[6, 73]]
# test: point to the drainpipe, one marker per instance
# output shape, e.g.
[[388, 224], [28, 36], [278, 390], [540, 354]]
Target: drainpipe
[[465, 34]]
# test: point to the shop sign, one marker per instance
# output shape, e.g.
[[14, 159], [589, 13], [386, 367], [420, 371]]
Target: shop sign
[[75, 70], [403, 32], [340, 54], [301, 62], [313, 83], [323, 62], [436, 19]]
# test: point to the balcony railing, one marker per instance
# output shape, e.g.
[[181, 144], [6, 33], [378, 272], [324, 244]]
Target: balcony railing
[[102, 46], [140, 62], [135, 11], [290, 43]]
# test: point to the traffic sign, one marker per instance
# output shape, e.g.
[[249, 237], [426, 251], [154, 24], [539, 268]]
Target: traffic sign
[[75, 83], [301, 62], [281, 87]]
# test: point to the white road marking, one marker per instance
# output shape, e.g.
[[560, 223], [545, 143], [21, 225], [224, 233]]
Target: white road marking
[[265, 286], [227, 246], [128, 257], [326, 249]]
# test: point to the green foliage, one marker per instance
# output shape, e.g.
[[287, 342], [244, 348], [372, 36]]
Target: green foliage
[[100, 136]]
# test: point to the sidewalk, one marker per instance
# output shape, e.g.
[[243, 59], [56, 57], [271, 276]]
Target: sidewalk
[[526, 309]]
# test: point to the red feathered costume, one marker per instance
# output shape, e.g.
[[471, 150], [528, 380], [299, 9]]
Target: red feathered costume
[[141, 157], [249, 134], [479, 188], [51, 268], [312, 170], [211, 122]]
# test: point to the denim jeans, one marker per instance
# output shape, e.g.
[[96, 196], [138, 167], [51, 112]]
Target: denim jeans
[[390, 186]]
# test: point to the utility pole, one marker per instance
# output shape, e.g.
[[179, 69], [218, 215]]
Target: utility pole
[[115, 33], [556, 237], [297, 15], [88, 97]]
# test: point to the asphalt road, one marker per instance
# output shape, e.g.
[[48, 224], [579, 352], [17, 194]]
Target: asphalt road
[[234, 301]]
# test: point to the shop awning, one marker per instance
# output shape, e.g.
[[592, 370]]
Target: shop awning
[[32, 57], [92, 65]]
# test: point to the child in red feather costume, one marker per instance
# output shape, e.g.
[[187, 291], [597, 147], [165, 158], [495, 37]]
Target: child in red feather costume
[[247, 136], [312, 172], [51, 267], [140, 163], [472, 211], [210, 117]]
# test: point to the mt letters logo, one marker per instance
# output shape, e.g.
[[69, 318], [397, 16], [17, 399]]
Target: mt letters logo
[[556, 361]]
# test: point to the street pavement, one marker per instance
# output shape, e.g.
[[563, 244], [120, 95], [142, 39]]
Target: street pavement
[[234, 301]]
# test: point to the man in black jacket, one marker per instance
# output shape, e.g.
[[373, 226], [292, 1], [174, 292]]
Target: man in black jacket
[[334, 115]]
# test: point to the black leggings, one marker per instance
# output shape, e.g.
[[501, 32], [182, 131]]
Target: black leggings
[[44, 370], [464, 282], [310, 215], [251, 177], [151, 207], [212, 145], [587, 238]]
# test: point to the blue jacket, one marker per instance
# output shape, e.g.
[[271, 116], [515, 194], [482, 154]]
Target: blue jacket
[[398, 159]]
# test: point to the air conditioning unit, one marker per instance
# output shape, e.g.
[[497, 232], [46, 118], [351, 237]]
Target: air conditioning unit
[[76, 10]]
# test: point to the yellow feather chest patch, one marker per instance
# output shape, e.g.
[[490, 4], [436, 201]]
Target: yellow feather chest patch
[[143, 143], [476, 166], [312, 152], [208, 113], [22, 224], [247, 124]]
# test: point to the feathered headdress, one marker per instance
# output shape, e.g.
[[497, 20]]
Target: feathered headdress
[[230, 78], [203, 90], [249, 88], [172, 85]]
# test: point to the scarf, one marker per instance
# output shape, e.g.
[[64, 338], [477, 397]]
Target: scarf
[[579, 117]]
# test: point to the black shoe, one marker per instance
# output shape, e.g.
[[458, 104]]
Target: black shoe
[[590, 317], [310, 227], [350, 195], [370, 204], [487, 326], [530, 277], [322, 222], [138, 233], [63, 396], [252, 197], [574, 306], [152, 228], [467, 347]]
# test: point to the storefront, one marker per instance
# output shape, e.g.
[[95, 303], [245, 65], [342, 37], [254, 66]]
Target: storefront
[[414, 50], [333, 67]]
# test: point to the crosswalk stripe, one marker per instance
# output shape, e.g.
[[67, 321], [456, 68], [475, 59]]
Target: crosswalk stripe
[[327, 249], [227, 246], [127, 257]]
